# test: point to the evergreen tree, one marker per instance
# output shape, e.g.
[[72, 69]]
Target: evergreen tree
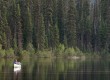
[[38, 24], [95, 29], [29, 27], [78, 22], [4, 24], [83, 24], [19, 27], [1, 30], [71, 25], [13, 17], [56, 36], [48, 21], [108, 25], [41, 35], [60, 17]]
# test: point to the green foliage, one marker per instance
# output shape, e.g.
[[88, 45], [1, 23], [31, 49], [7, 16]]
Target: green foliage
[[104, 52], [41, 34], [52, 24], [30, 49], [56, 36], [59, 50], [78, 51], [71, 25], [24, 53], [19, 27], [2, 53], [29, 26], [70, 52], [10, 53], [44, 54]]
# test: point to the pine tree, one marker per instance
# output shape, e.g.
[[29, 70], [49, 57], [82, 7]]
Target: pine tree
[[29, 27], [78, 22], [13, 23], [56, 36], [37, 24], [95, 29], [71, 25], [108, 25], [48, 21], [19, 27], [4, 22], [41, 33], [1, 30], [83, 24], [60, 17]]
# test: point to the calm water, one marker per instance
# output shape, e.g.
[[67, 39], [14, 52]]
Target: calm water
[[56, 69]]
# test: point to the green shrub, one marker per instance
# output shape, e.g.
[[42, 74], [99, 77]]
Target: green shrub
[[10, 53], [59, 50], [30, 49], [104, 51], [78, 51], [70, 52], [2, 53], [44, 54], [24, 53]]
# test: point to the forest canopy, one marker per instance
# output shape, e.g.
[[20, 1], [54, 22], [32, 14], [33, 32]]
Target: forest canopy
[[45, 24]]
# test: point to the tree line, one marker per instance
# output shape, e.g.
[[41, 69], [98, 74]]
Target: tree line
[[44, 24]]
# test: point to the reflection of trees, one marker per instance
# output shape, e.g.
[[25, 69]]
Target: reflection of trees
[[9, 62], [6, 69], [93, 70], [56, 69], [60, 69], [46, 69], [41, 68], [2, 63]]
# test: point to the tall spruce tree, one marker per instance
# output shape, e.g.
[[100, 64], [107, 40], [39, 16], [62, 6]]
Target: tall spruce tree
[[71, 25], [4, 22], [29, 27], [83, 24], [14, 26], [48, 21], [78, 22], [19, 27], [86, 24], [108, 25], [41, 34], [95, 29], [60, 17], [38, 25], [56, 36]]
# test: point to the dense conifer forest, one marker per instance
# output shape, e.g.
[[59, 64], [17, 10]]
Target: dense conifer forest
[[48, 24]]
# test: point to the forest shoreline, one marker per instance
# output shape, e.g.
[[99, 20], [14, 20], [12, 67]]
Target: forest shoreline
[[69, 53]]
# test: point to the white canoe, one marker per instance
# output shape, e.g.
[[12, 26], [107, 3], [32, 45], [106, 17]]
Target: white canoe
[[17, 69], [17, 65]]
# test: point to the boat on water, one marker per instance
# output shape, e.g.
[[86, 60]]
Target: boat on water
[[17, 69], [17, 65]]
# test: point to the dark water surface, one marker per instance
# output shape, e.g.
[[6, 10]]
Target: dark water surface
[[56, 69]]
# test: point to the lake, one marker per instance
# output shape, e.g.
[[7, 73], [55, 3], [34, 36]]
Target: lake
[[56, 69]]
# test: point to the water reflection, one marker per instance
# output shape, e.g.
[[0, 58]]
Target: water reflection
[[55, 69]]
